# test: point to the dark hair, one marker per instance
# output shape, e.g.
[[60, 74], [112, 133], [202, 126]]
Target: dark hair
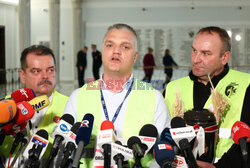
[[167, 51], [150, 49], [85, 47], [38, 50], [123, 26], [225, 39]]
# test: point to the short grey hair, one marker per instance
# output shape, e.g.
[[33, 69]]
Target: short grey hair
[[124, 27]]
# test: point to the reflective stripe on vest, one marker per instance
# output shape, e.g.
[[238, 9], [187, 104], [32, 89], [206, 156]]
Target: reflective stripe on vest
[[141, 101], [233, 86]]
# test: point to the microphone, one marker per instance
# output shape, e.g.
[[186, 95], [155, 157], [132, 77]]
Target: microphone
[[164, 154], [166, 136], [241, 135], [24, 94], [70, 146], [148, 135], [83, 137], [182, 135], [8, 111], [134, 143], [40, 102], [61, 130], [24, 113], [36, 148], [105, 137], [120, 153]]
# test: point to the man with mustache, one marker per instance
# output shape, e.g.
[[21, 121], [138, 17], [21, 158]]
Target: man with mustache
[[211, 51], [38, 72]]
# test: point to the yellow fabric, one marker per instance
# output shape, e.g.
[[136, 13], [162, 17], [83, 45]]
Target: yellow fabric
[[140, 111], [233, 87]]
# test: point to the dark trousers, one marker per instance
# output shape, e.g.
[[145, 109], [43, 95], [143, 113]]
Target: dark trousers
[[80, 77], [96, 72], [147, 78]]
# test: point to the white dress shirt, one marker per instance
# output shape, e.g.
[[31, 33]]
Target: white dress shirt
[[113, 100]]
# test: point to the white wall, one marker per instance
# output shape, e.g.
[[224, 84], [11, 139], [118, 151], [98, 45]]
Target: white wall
[[9, 19]]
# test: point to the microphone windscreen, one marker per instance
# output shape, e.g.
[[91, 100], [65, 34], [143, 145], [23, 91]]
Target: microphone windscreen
[[8, 110], [163, 151], [166, 135], [133, 140], [40, 102], [149, 130], [43, 133], [118, 142], [85, 130], [177, 122], [24, 94], [240, 130], [107, 125], [13, 128], [75, 127], [24, 112], [68, 118]]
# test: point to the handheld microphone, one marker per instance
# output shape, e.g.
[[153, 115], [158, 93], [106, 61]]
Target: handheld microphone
[[24, 112], [24, 94], [70, 146], [164, 154], [83, 137], [8, 111], [120, 153], [105, 137], [148, 135], [36, 148], [40, 102], [135, 144], [166, 136], [182, 135], [61, 130], [241, 135]]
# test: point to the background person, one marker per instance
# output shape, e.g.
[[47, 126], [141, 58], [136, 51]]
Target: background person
[[81, 65], [168, 62], [97, 61], [148, 65]]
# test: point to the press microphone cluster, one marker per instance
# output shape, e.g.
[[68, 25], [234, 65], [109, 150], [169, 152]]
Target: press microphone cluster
[[182, 135], [70, 145], [61, 131], [112, 150], [35, 149]]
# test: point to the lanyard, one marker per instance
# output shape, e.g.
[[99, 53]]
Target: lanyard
[[120, 106]]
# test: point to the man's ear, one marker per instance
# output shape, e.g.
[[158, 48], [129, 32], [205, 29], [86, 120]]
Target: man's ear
[[22, 76], [225, 57], [135, 56]]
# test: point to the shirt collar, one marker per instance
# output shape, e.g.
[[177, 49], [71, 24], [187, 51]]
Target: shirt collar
[[104, 86]]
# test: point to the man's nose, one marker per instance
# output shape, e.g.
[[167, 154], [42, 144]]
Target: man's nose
[[44, 74], [197, 57], [117, 50]]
